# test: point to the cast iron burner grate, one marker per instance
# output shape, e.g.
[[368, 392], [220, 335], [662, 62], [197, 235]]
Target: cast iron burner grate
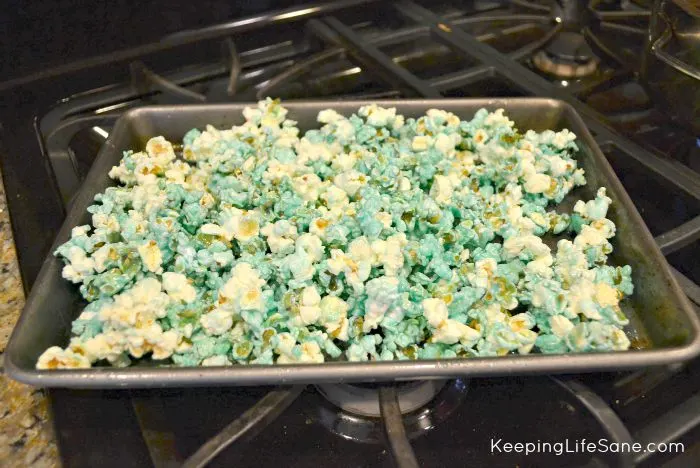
[[293, 426], [354, 49]]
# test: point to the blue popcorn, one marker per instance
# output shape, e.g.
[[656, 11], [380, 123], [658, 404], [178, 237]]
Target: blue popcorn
[[262, 244]]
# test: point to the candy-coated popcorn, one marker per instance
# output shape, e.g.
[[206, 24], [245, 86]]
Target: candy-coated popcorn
[[372, 237]]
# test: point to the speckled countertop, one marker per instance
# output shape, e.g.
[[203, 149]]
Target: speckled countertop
[[26, 437]]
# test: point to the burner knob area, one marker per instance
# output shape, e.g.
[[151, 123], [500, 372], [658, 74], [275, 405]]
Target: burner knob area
[[567, 56], [363, 399], [352, 411]]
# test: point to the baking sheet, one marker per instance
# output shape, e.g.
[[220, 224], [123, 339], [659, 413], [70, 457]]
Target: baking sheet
[[663, 326]]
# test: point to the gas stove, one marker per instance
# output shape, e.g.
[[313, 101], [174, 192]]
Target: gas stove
[[585, 53]]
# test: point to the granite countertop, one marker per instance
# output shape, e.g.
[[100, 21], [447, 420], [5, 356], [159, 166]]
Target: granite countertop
[[26, 436]]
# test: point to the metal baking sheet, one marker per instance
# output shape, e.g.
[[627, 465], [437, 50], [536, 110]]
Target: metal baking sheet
[[664, 328]]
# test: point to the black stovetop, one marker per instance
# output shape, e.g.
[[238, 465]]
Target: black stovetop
[[53, 124]]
